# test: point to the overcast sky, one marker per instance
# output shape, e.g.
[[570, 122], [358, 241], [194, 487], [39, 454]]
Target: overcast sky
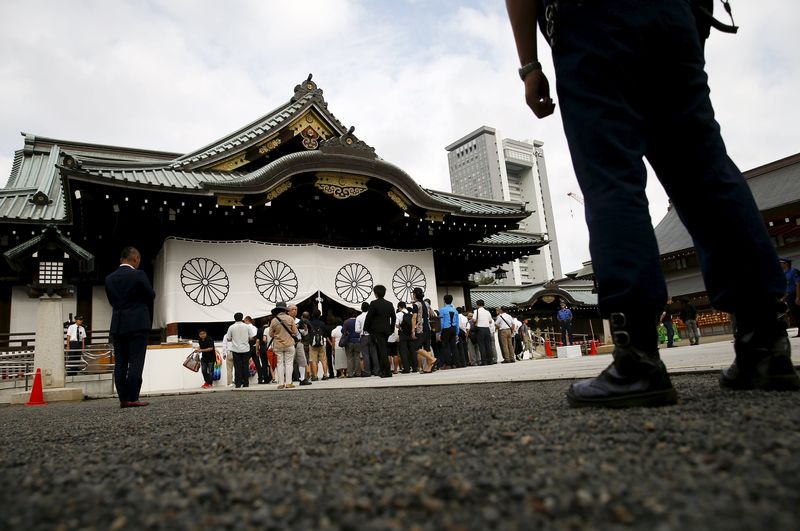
[[412, 76]]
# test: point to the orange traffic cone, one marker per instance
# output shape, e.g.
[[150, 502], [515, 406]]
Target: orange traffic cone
[[37, 396], [593, 351], [547, 348]]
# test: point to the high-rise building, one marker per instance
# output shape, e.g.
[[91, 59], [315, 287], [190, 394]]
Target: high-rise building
[[484, 165]]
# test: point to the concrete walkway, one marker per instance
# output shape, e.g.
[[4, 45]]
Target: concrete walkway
[[711, 356]]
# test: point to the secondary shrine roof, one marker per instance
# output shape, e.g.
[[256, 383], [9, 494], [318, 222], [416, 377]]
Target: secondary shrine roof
[[774, 185]]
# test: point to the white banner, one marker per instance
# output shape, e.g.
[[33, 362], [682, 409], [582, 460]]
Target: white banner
[[209, 281]]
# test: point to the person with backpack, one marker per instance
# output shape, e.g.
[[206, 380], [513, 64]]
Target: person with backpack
[[421, 331], [317, 331]]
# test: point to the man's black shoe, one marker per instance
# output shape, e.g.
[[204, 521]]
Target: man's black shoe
[[614, 390], [636, 378], [767, 367], [305, 382]]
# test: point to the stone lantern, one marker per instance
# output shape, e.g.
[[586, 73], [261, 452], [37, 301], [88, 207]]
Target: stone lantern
[[50, 258]]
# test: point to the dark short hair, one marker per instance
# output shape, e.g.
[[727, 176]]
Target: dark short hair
[[448, 299], [364, 306], [479, 302], [316, 314], [418, 293], [401, 304], [201, 330], [129, 252], [379, 290], [238, 316]]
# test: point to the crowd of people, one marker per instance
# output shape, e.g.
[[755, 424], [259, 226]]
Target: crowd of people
[[289, 348]]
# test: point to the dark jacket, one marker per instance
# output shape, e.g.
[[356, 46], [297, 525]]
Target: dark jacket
[[130, 294], [380, 318]]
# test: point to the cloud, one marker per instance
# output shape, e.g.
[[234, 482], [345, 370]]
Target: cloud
[[411, 76]]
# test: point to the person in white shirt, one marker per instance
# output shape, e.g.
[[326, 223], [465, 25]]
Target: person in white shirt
[[504, 324], [402, 351], [228, 357], [239, 335], [482, 328], [76, 343]]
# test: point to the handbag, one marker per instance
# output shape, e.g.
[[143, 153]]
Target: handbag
[[345, 339], [192, 363]]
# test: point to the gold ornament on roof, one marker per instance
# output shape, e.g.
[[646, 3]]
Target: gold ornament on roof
[[341, 185], [269, 146], [278, 190], [397, 197]]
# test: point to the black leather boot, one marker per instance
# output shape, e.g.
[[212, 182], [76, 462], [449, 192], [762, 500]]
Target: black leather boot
[[636, 378], [763, 356]]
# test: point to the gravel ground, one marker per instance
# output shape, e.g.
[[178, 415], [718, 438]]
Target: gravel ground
[[507, 456]]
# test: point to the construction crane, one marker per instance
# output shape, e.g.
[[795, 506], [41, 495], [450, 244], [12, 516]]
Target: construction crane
[[577, 197]]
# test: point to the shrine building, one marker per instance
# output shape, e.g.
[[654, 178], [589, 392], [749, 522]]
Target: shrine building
[[291, 207]]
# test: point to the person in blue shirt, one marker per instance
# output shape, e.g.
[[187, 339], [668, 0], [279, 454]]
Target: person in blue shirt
[[448, 320], [565, 323], [792, 295]]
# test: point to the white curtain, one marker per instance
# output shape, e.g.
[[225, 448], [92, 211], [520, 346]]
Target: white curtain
[[209, 281]]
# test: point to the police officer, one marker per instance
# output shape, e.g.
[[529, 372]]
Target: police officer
[[631, 84]]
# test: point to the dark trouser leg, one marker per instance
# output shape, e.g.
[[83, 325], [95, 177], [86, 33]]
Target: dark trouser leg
[[404, 348], [352, 353], [121, 356], [74, 358], [461, 361], [264, 375], [365, 354], [257, 362], [670, 333], [136, 353], [449, 346], [207, 369], [382, 353], [241, 366], [484, 344]]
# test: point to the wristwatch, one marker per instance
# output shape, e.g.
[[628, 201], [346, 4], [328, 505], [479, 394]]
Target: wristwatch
[[528, 68]]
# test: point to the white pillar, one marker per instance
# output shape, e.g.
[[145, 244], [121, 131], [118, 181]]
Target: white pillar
[[49, 353]]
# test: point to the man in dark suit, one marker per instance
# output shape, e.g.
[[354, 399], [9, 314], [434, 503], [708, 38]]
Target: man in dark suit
[[380, 324], [130, 294]]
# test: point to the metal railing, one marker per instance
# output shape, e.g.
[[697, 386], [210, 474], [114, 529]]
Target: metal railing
[[94, 359], [18, 365]]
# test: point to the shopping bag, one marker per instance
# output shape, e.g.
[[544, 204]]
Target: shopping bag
[[217, 367], [192, 363]]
